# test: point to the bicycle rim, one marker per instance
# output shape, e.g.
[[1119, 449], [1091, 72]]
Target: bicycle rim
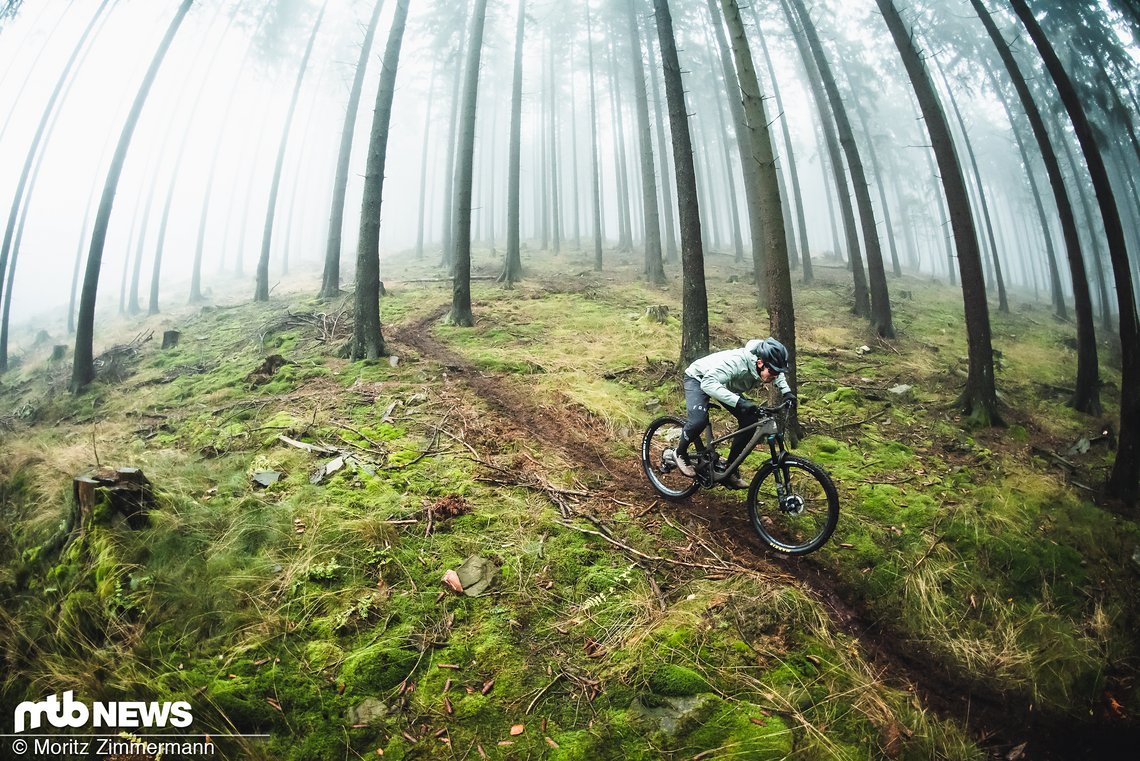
[[664, 434], [805, 518]]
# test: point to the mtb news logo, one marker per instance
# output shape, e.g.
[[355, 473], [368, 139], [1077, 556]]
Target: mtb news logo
[[73, 713]]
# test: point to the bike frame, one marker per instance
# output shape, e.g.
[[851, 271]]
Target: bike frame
[[775, 446]]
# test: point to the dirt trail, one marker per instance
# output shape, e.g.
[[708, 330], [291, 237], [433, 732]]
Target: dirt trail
[[1000, 722]]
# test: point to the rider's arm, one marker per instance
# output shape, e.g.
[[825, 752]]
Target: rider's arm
[[714, 383], [782, 384]]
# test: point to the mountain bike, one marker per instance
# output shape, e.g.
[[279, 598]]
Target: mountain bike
[[792, 502]]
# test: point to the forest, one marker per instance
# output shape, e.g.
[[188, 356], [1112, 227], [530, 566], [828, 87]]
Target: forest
[[340, 339]]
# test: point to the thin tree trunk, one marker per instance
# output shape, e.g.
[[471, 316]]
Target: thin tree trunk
[[662, 153], [654, 269], [862, 305], [461, 290], [781, 312], [367, 331], [793, 174], [330, 278], [737, 95], [83, 368], [694, 299], [1058, 296], [1124, 482], [574, 152], [555, 209], [261, 288], [621, 172], [33, 148], [596, 177], [424, 167], [448, 257], [1003, 300], [979, 398], [881, 319], [512, 269], [881, 184]]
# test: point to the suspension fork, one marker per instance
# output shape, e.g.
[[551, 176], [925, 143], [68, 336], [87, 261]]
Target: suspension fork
[[780, 469]]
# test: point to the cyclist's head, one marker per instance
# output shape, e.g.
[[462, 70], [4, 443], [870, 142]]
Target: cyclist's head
[[771, 352]]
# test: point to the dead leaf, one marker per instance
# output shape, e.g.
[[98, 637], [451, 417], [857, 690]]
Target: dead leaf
[[451, 579], [517, 729], [1017, 752]]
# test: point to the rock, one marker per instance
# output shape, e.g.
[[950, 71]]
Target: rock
[[864, 349], [674, 715], [266, 477], [368, 712], [902, 391], [476, 574], [653, 405]]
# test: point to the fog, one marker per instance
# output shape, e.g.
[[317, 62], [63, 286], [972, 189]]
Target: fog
[[223, 91]]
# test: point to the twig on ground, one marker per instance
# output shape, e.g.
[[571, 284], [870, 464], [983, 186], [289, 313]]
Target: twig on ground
[[878, 414], [543, 691]]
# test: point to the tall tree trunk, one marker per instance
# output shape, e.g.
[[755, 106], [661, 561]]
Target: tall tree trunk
[[555, 209], [737, 96], [983, 202], [208, 194], [367, 333], [862, 305], [596, 176], [694, 299], [979, 398], [83, 368], [662, 152], [261, 288], [781, 312], [793, 174], [1058, 296], [881, 184], [448, 251], [330, 278], [621, 171], [1124, 482], [574, 152], [881, 319], [424, 167], [33, 148], [461, 288], [512, 269], [654, 269], [729, 166]]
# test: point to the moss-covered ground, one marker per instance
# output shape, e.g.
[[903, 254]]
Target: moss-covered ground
[[312, 610]]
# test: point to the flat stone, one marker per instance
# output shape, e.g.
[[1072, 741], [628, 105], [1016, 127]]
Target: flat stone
[[902, 390], [368, 711], [673, 715]]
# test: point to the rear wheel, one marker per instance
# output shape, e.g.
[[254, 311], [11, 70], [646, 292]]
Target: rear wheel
[[798, 515], [661, 439]]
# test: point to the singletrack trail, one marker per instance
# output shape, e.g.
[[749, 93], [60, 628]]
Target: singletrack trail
[[999, 722]]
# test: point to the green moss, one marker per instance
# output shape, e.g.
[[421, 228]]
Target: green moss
[[377, 668], [674, 681]]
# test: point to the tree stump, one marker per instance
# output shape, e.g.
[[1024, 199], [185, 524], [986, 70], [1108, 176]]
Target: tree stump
[[127, 491], [170, 339], [657, 313], [58, 352]]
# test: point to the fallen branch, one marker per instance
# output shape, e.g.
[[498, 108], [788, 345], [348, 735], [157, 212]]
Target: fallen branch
[[311, 448], [878, 414]]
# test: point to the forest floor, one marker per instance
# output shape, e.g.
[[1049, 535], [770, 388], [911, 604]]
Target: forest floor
[[974, 601]]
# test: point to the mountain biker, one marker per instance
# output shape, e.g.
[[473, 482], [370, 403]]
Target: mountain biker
[[725, 376]]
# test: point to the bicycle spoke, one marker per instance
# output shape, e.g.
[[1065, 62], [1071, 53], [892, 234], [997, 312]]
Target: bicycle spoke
[[795, 512], [661, 439]]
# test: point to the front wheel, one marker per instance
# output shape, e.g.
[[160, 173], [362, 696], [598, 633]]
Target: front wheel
[[794, 510], [661, 439]]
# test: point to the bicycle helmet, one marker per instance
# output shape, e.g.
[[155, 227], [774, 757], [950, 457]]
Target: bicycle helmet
[[774, 353]]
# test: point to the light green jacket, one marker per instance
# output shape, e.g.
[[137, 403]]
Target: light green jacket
[[726, 375]]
